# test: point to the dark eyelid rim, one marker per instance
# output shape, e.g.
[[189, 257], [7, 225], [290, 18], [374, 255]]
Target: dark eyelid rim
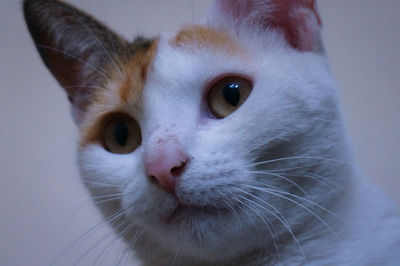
[[216, 79], [105, 120]]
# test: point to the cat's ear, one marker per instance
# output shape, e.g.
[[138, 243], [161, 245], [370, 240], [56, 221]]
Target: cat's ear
[[76, 48], [297, 19]]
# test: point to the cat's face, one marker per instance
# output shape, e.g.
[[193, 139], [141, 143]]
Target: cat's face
[[202, 140]]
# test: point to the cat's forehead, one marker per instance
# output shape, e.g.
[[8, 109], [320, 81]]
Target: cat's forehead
[[128, 79], [197, 37]]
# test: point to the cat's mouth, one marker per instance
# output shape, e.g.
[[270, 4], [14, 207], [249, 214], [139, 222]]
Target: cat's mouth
[[184, 211]]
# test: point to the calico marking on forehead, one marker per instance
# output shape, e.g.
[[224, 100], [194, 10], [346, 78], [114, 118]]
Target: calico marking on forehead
[[136, 70], [195, 37], [122, 93]]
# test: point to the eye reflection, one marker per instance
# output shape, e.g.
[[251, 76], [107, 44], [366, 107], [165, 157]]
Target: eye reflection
[[227, 95], [231, 94]]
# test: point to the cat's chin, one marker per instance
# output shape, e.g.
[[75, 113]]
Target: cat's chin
[[190, 228]]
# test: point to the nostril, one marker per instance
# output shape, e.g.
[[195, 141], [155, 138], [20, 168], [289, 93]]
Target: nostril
[[154, 180], [178, 170]]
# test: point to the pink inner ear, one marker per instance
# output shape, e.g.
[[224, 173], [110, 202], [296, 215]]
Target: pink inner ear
[[302, 24], [298, 19]]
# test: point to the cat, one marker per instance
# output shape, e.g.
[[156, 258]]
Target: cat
[[221, 143]]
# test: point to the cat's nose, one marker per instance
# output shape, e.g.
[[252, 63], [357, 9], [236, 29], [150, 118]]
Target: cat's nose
[[165, 163]]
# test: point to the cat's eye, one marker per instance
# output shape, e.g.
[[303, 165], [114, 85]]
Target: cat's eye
[[227, 95], [121, 134]]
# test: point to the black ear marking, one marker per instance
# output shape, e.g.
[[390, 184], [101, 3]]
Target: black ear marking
[[77, 49]]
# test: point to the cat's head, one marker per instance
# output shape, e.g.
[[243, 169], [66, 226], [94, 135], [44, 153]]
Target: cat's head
[[218, 139]]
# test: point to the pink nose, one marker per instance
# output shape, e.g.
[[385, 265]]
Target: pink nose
[[165, 163]]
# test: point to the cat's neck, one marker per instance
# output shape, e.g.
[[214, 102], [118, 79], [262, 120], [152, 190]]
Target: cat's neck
[[364, 234]]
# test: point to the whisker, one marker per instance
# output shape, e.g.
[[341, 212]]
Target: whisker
[[267, 223], [277, 194], [278, 216], [110, 219], [333, 186], [107, 200], [124, 251], [324, 178], [269, 205], [310, 202], [248, 215], [107, 196], [98, 243], [131, 243], [102, 184], [284, 178], [106, 249], [297, 158], [234, 212], [292, 168], [263, 143]]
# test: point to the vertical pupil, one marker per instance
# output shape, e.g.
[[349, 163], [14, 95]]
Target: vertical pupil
[[121, 133], [231, 93]]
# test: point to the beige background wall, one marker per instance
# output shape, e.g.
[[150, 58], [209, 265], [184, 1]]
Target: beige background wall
[[43, 206]]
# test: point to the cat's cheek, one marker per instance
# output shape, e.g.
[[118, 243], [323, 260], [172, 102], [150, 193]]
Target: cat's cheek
[[106, 172]]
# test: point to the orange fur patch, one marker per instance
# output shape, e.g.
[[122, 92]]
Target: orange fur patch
[[195, 37], [135, 71], [92, 132], [122, 94]]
